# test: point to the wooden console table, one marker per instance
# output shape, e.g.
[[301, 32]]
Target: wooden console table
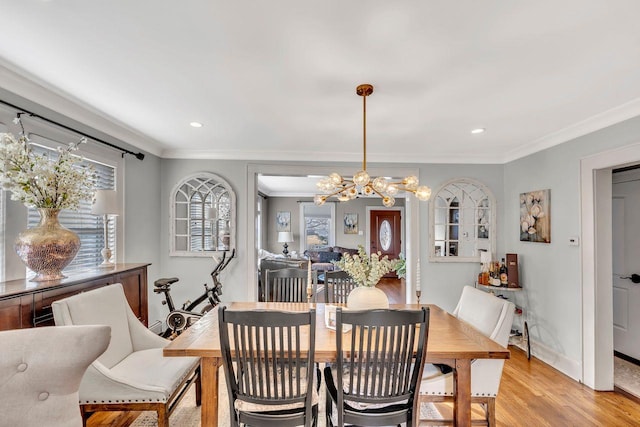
[[25, 304]]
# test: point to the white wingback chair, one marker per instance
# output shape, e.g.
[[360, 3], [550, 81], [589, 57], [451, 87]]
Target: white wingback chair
[[41, 370], [132, 375], [493, 317]]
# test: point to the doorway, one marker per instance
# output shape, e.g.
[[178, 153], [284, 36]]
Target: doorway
[[597, 269], [626, 290], [385, 229], [410, 215]]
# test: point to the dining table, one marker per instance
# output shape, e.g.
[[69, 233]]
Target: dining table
[[450, 341]]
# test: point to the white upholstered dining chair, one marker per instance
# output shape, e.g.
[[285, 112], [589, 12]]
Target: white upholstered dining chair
[[41, 370], [133, 374], [493, 317]]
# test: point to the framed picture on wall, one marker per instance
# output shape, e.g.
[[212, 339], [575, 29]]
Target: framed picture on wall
[[535, 216], [351, 223], [283, 221]]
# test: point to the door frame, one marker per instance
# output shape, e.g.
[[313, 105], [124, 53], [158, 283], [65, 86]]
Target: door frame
[[596, 193], [409, 292], [411, 218], [382, 208]]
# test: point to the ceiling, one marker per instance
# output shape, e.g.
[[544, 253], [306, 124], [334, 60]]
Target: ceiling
[[275, 80]]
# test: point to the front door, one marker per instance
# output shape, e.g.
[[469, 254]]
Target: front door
[[626, 261], [385, 231]]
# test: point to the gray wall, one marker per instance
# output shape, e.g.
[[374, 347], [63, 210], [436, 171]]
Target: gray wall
[[195, 271], [290, 204], [442, 283], [142, 222], [551, 273]]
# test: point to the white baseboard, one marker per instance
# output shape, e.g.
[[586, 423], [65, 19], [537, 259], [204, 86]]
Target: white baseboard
[[571, 368]]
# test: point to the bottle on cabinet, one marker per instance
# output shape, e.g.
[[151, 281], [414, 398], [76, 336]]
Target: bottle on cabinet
[[504, 278]]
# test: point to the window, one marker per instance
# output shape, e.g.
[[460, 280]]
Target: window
[[317, 225], [202, 216], [87, 226], [463, 221]]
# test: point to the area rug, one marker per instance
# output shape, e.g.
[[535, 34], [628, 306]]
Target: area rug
[[627, 376], [187, 414]]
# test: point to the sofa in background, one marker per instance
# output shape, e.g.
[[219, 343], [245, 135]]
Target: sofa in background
[[322, 259]]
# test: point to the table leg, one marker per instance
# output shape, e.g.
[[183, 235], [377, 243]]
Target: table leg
[[462, 414], [209, 371]]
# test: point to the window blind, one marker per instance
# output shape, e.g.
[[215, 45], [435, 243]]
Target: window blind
[[88, 227]]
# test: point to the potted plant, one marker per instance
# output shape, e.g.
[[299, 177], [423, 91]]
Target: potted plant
[[366, 270]]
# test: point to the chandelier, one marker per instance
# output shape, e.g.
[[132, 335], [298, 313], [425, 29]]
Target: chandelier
[[362, 184]]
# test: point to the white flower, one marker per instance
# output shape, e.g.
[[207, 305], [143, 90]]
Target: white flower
[[365, 270], [38, 181]]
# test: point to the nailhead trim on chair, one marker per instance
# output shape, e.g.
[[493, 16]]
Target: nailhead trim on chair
[[84, 402]]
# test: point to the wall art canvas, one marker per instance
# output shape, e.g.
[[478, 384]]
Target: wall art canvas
[[283, 221], [535, 216], [351, 223]]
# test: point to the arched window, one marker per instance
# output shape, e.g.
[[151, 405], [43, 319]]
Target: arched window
[[202, 216], [463, 221]]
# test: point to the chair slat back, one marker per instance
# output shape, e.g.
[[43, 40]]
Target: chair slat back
[[381, 359], [338, 285], [268, 356], [288, 285]]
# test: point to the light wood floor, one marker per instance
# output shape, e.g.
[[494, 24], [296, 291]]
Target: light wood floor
[[531, 394]]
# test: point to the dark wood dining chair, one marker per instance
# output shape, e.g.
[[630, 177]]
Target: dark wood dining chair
[[337, 286], [378, 367], [289, 285], [268, 359]]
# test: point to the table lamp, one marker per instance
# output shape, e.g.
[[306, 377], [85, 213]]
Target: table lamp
[[105, 204], [285, 237]]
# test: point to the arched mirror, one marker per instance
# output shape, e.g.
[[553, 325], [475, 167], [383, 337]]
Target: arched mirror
[[462, 221], [203, 210]]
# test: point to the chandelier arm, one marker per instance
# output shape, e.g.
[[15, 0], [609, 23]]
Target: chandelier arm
[[345, 188], [377, 192]]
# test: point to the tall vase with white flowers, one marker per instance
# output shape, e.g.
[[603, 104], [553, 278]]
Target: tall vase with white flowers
[[366, 270], [48, 183]]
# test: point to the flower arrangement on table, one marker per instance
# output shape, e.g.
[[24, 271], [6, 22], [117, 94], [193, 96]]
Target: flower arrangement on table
[[41, 181], [364, 269]]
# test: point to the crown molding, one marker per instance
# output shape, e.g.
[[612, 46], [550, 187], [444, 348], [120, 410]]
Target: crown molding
[[592, 124], [26, 87]]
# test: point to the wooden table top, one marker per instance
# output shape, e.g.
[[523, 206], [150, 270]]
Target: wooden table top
[[449, 338]]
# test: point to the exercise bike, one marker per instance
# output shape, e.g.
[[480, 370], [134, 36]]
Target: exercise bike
[[180, 319]]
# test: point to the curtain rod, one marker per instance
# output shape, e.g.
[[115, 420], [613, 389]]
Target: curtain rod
[[139, 156]]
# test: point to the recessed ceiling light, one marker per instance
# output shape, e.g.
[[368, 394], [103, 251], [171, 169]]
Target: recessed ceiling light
[[196, 124], [478, 130]]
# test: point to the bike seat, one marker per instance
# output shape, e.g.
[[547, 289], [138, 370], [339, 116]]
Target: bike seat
[[161, 283]]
